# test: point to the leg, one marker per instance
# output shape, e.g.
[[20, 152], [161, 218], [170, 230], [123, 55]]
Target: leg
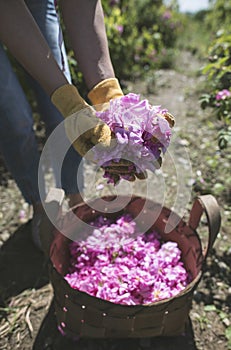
[[46, 17], [17, 138]]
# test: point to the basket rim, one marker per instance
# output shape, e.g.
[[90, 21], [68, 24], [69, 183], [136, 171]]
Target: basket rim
[[82, 203], [190, 286]]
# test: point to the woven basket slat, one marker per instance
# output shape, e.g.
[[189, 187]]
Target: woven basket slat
[[115, 333], [93, 317], [74, 312], [73, 325], [145, 321], [119, 324], [95, 332], [147, 332], [170, 326]]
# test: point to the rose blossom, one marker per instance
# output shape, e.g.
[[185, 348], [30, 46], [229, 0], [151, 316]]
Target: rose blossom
[[223, 94], [142, 134], [119, 264]]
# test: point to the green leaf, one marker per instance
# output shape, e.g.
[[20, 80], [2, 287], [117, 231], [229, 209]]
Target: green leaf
[[222, 315], [209, 308], [228, 333], [212, 162], [218, 188]]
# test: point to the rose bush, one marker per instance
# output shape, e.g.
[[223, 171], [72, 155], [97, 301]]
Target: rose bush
[[141, 36], [218, 95]]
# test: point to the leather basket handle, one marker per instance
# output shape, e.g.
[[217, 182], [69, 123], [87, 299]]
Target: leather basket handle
[[206, 204]]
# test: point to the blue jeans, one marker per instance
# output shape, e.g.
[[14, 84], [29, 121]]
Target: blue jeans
[[17, 138]]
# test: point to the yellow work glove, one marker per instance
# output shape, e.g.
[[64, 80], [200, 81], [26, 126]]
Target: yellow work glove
[[83, 128], [105, 91]]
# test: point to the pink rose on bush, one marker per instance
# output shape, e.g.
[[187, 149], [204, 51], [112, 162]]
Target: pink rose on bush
[[223, 94]]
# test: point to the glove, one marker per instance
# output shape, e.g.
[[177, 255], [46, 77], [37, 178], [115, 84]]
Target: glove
[[82, 127], [105, 91], [170, 119]]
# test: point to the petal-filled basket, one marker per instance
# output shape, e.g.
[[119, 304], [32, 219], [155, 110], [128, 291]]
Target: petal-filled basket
[[83, 315]]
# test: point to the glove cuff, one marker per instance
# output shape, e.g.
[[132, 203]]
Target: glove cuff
[[105, 91], [68, 100]]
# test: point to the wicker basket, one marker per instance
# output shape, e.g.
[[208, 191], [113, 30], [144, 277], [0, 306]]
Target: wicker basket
[[79, 314]]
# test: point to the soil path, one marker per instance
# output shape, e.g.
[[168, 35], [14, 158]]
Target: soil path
[[28, 320]]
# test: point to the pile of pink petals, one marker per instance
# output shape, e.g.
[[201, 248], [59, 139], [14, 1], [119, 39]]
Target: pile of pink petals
[[118, 264], [141, 132]]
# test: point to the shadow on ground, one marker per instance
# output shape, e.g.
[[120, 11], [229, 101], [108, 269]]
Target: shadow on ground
[[22, 265]]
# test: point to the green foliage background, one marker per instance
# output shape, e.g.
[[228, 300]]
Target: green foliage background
[[141, 37], [218, 68]]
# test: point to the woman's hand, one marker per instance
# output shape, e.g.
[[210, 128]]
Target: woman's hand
[[83, 128]]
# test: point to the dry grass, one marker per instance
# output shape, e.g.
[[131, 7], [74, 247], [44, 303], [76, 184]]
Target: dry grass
[[18, 315]]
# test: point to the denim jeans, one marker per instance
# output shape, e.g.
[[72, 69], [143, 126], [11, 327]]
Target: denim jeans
[[17, 138]]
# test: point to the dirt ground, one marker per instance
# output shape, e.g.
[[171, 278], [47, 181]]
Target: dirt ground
[[26, 308]]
